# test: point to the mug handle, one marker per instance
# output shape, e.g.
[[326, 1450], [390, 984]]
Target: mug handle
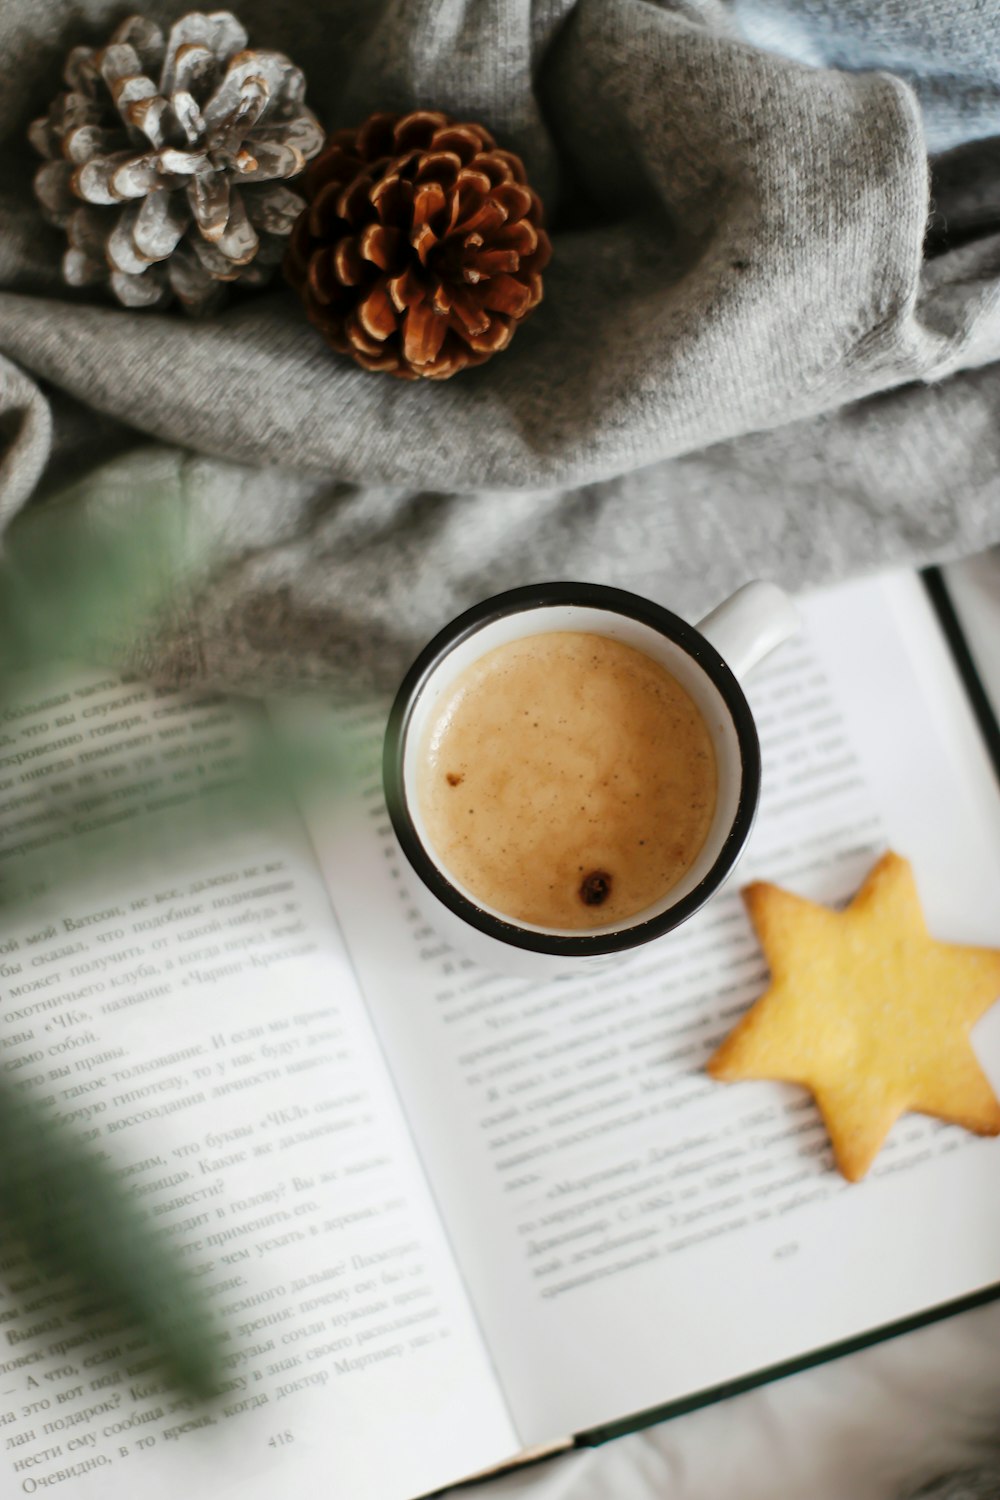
[[749, 624]]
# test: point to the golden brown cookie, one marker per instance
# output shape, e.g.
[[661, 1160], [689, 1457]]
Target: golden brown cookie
[[868, 1012]]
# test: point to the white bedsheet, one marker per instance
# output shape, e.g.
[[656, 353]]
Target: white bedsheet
[[865, 1427]]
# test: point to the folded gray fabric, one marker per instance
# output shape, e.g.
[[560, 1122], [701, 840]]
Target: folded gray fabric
[[743, 363], [968, 1484]]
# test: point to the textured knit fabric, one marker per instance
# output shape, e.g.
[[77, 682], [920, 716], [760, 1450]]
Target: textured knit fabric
[[969, 1484], [744, 363]]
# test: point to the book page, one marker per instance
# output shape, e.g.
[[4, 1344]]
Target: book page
[[632, 1231], [182, 995]]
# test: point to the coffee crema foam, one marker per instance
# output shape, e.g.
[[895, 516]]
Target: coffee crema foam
[[567, 780]]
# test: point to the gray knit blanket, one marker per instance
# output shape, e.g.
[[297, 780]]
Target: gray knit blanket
[[769, 343]]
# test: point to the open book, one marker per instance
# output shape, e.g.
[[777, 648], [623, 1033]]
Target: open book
[[449, 1218]]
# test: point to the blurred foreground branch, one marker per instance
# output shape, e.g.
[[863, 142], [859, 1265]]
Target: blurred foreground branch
[[73, 590]]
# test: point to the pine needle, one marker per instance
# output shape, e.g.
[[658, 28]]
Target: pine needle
[[66, 1205], [70, 589]]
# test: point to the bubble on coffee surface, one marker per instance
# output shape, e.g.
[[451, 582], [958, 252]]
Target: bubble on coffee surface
[[595, 888]]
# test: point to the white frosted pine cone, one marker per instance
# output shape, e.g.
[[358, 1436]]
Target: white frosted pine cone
[[167, 161]]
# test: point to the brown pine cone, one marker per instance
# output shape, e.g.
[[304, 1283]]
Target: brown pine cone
[[422, 247]]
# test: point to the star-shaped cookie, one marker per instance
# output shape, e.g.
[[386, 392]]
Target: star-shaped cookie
[[868, 1012]]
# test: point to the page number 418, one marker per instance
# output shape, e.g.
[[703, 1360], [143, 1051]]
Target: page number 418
[[280, 1439]]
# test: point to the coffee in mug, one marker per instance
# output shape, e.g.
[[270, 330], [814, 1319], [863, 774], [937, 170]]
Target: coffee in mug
[[567, 780], [569, 870]]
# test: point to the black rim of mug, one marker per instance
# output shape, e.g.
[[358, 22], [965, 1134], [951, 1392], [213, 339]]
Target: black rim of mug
[[584, 596]]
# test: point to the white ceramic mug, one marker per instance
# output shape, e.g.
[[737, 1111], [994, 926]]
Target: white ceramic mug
[[707, 660]]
